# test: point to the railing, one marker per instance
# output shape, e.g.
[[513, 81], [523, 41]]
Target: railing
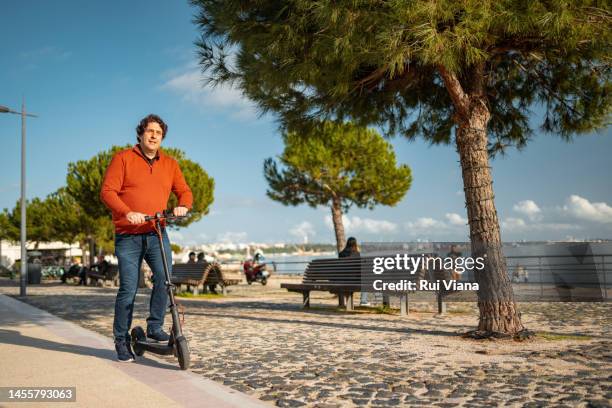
[[540, 271], [282, 267], [587, 271]]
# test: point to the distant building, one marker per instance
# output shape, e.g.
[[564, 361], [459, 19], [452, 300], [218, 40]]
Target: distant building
[[10, 252]]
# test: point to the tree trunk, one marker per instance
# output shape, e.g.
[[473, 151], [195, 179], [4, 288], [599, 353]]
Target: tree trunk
[[338, 225], [498, 311]]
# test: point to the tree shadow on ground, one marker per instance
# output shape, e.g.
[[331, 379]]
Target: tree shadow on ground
[[336, 325], [91, 306]]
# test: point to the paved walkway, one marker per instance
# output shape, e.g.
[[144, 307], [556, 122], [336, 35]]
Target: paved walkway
[[39, 349], [259, 341]]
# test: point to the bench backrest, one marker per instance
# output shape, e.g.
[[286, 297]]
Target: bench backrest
[[189, 271], [347, 271], [334, 270], [207, 273], [215, 275]]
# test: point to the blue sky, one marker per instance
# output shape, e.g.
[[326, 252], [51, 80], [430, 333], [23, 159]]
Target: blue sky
[[91, 70]]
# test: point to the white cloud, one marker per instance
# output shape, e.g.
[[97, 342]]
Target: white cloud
[[431, 225], [456, 219], [513, 224], [583, 209], [425, 223], [528, 208], [371, 225], [231, 237], [189, 84], [569, 217], [429, 228], [303, 231], [358, 224]]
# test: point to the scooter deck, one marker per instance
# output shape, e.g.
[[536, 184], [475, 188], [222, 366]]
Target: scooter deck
[[156, 347]]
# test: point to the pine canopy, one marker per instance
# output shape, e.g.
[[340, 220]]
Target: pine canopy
[[380, 62], [352, 165]]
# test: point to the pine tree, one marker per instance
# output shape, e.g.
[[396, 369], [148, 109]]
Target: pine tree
[[337, 165], [467, 72]]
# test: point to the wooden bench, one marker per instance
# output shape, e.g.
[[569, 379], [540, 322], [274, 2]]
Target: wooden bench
[[342, 277], [110, 273], [194, 275]]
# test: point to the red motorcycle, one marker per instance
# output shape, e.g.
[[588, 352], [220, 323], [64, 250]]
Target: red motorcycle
[[256, 271]]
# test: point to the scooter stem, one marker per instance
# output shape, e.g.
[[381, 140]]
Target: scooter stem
[[176, 326]]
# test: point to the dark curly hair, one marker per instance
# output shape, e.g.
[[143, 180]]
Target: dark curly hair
[[151, 118]]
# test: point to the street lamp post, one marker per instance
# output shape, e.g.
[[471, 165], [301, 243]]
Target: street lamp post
[[24, 254]]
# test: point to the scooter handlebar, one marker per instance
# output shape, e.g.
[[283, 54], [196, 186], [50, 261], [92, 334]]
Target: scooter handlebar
[[163, 216]]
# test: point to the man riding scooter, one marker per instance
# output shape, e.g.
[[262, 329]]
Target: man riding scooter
[[137, 183]]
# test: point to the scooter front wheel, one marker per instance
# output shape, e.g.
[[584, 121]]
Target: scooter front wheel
[[138, 335], [182, 351]]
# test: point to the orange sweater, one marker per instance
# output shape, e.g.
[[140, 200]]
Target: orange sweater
[[132, 184]]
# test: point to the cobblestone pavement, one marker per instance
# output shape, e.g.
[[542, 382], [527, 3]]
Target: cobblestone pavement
[[259, 341]]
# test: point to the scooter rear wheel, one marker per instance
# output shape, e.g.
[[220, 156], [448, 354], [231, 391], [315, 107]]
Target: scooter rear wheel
[[182, 350], [137, 335]]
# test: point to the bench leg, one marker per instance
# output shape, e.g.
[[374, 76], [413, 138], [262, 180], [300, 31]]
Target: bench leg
[[386, 301], [404, 306], [341, 299], [441, 305], [224, 289], [195, 291], [305, 300], [349, 302]]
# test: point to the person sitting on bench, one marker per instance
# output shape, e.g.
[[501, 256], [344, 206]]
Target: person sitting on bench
[[351, 250], [101, 265], [73, 271]]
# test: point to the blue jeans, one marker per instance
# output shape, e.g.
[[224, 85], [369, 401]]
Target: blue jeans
[[130, 250]]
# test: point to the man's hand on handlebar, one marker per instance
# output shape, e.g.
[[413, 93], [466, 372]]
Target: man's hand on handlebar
[[139, 218], [180, 211], [135, 217]]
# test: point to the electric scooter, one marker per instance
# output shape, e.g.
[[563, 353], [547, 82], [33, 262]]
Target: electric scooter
[[177, 344]]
